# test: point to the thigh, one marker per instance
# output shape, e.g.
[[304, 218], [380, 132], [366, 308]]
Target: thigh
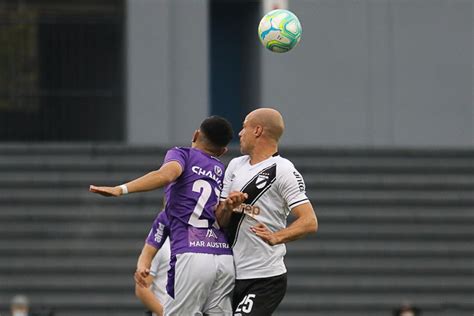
[[219, 301], [189, 282], [258, 297]]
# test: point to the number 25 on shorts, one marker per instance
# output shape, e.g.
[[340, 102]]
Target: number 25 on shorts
[[246, 304]]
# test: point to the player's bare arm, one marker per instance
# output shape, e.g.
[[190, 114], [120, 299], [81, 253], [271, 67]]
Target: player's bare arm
[[168, 173], [147, 297], [144, 264], [225, 208], [305, 223]]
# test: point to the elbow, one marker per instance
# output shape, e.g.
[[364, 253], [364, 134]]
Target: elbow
[[169, 178], [313, 226]]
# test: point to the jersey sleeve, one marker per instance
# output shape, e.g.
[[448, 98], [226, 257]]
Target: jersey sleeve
[[228, 177], [159, 231], [176, 154], [292, 187]]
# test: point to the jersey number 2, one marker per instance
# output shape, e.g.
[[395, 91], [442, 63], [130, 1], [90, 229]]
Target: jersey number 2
[[203, 187]]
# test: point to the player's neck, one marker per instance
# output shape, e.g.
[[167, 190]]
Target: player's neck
[[261, 153], [203, 148]]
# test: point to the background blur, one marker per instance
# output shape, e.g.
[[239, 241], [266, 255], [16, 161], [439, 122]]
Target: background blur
[[378, 103]]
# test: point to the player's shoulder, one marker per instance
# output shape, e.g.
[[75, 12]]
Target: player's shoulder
[[181, 149], [283, 163]]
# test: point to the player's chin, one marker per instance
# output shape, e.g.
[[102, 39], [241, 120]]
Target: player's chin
[[243, 150]]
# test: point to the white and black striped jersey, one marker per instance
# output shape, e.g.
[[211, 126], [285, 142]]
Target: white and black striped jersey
[[274, 187]]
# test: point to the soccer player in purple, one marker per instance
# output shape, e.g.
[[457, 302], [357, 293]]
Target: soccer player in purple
[[201, 274]]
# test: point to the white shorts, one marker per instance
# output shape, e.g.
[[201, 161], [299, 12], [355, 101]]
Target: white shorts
[[203, 284]]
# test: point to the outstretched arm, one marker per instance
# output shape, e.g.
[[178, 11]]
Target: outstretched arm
[[306, 222], [168, 173]]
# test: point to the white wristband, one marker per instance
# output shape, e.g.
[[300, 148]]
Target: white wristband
[[124, 189]]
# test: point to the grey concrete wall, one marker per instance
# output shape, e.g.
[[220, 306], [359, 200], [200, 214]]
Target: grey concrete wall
[[167, 65], [376, 73], [366, 73]]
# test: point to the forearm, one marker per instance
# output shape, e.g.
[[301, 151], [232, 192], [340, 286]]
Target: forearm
[[146, 256], [223, 214], [168, 173], [151, 181], [148, 299], [296, 230]]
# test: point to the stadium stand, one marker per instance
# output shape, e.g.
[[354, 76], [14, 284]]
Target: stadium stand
[[396, 225]]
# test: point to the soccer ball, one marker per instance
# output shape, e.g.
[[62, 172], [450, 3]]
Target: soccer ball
[[279, 31]]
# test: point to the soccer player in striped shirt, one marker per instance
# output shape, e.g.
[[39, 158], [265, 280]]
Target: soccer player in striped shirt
[[258, 229]]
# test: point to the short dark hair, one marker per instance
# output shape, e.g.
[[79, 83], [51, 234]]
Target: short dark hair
[[217, 130]]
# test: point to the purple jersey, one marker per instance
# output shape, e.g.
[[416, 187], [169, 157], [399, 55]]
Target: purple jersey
[[191, 202], [159, 231]]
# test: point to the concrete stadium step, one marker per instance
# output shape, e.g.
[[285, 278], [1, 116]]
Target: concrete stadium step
[[46, 230], [125, 300], [387, 266], [88, 282], [306, 249], [294, 303], [117, 282], [93, 230], [123, 212], [380, 249], [81, 180], [380, 214], [367, 283], [79, 165], [74, 149], [105, 311], [73, 197], [74, 246], [84, 160], [402, 232], [410, 153], [132, 156], [292, 152], [323, 197], [58, 180], [78, 264], [79, 213], [372, 301], [327, 215], [340, 266], [121, 149], [391, 197], [439, 311], [358, 305], [347, 165], [390, 181]]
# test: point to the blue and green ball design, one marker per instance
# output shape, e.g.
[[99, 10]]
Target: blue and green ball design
[[279, 31]]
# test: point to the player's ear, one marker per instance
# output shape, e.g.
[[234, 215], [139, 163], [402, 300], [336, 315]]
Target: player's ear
[[195, 135], [258, 131]]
